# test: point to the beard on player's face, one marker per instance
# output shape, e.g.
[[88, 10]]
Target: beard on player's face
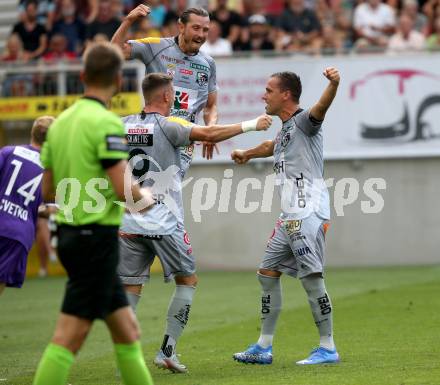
[[193, 43]]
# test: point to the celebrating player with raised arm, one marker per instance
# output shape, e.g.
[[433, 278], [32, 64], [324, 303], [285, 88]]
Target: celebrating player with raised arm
[[193, 72], [154, 138], [20, 197], [296, 246]]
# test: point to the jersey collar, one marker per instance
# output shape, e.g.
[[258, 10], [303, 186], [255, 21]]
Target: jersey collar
[[95, 99], [294, 114]]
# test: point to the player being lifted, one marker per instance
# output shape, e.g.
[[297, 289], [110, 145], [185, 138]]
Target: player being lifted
[[20, 197], [155, 139], [296, 246]]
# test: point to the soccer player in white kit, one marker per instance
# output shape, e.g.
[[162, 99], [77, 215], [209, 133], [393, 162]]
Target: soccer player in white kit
[[296, 246]]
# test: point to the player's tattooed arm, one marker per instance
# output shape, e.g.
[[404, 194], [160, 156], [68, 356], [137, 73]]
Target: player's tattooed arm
[[264, 150], [319, 110], [210, 117], [120, 36]]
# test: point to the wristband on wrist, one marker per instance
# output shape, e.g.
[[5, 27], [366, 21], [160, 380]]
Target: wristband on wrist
[[249, 125]]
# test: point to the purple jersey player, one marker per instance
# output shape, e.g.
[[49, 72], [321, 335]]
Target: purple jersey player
[[20, 197]]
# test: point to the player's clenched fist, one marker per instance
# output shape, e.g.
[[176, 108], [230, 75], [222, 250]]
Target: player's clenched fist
[[141, 10], [264, 122], [239, 156], [332, 74]]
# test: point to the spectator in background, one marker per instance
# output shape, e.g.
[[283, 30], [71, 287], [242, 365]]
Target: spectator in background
[[433, 41], [100, 38], [331, 42], [15, 84], [300, 27], [411, 8], [170, 26], [87, 10], [70, 26], [32, 34], [258, 38], [45, 12], [158, 13], [105, 22], [117, 9], [215, 45], [336, 15], [230, 21], [58, 50], [14, 49], [145, 29], [373, 22], [432, 10], [406, 38]]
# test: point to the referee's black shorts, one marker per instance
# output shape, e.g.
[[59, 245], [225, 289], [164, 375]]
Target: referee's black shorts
[[90, 255]]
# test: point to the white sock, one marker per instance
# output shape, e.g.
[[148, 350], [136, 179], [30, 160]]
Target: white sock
[[265, 340]]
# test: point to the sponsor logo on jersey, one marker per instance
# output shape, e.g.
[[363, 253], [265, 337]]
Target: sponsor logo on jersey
[[279, 167], [202, 79], [171, 69], [186, 238], [301, 191], [292, 226], [301, 251], [200, 67], [172, 59], [285, 139], [185, 71], [181, 100], [138, 130]]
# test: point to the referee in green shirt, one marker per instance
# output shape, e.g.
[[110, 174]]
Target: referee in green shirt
[[85, 160]]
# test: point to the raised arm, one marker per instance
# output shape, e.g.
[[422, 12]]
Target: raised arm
[[263, 150], [217, 133], [120, 36], [320, 108]]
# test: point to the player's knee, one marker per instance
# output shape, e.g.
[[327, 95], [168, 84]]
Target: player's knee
[[71, 340], [269, 273], [190, 280]]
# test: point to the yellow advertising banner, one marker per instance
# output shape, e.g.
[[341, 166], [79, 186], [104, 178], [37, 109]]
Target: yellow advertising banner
[[30, 108]]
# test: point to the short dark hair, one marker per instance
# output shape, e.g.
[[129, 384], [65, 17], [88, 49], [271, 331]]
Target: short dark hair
[[289, 81], [29, 2], [184, 17], [102, 63], [39, 129], [153, 82]]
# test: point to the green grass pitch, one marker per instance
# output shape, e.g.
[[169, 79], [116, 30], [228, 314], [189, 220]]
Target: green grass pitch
[[387, 329]]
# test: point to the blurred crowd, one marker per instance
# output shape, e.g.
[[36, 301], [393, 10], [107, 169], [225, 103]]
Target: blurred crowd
[[50, 30]]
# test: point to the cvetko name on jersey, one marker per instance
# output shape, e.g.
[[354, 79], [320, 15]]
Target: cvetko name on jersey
[[14, 209]]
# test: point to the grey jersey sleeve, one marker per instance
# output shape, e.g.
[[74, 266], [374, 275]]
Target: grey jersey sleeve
[[146, 49], [307, 123], [212, 84], [177, 131]]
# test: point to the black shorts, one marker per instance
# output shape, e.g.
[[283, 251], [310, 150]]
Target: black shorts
[[90, 255]]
